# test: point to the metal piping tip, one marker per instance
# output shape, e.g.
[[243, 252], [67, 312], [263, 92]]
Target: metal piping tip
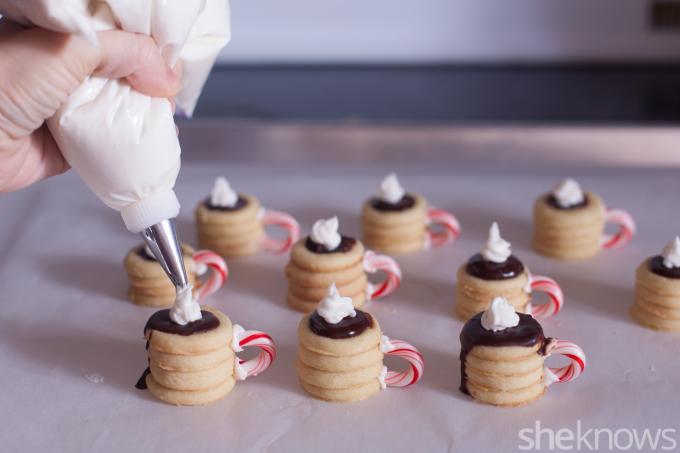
[[162, 240]]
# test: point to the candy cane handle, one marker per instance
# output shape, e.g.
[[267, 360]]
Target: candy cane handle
[[219, 272], [626, 228], [253, 338], [415, 360], [550, 287], [374, 263], [448, 228], [288, 224], [577, 361]]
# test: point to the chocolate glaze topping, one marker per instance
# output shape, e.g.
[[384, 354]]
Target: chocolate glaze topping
[[145, 256], [345, 245], [347, 328], [478, 267], [406, 202], [656, 266], [552, 202], [240, 203], [527, 333], [161, 321]]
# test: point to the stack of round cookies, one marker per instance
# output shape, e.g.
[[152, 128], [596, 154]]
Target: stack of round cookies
[[191, 364], [394, 221], [323, 258], [339, 354], [149, 284]]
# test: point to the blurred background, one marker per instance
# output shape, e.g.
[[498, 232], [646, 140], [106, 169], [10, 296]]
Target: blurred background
[[450, 60]]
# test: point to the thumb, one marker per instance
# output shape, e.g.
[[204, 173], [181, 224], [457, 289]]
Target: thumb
[[138, 59]]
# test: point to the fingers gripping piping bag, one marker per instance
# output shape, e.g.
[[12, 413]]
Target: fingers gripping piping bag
[[123, 143]]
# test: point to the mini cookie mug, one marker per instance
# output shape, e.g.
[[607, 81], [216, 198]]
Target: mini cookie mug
[[197, 363], [235, 224], [150, 286], [570, 224], [326, 257], [503, 353], [398, 222], [496, 271], [341, 350]]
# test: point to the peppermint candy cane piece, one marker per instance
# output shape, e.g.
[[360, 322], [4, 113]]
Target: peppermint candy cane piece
[[577, 362], [550, 287], [374, 263], [207, 260], [450, 228], [288, 224], [414, 358], [246, 338], [625, 232]]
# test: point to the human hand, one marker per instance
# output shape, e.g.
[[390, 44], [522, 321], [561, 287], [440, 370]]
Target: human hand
[[39, 69]]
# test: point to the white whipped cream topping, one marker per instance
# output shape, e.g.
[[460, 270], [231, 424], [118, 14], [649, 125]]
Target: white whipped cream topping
[[222, 194], [391, 190], [325, 232], [671, 254], [385, 345], [568, 193], [334, 307], [500, 315], [496, 248], [381, 378], [185, 309]]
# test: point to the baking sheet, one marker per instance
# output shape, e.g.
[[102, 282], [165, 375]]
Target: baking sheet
[[71, 346]]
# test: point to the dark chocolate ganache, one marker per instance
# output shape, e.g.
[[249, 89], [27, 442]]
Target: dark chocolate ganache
[[406, 202], [478, 267], [552, 202], [240, 204], [656, 266], [527, 333], [347, 328], [145, 255], [161, 321], [346, 244]]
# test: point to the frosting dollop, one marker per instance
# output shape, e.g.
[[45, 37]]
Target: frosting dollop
[[568, 193], [500, 315], [671, 254], [325, 232], [222, 194], [334, 307], [391, 190], [496, 249], [185, 309]]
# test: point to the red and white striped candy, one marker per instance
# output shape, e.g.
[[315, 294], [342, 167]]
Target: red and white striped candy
[[374, 263], [625, 232], [285, 221], [206, 259], [550, 287], [263, 360], [415, 360], [576, 356], [450, 228]]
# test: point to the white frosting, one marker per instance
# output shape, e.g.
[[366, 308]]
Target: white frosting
[[671, 254], [121, 142], [238, 333], [568, 193], [381, 378], [325, 232], [500, 315], [496, 249], [549, 378], [391, 190], [222, 194], [334, 307], [185, 309], [385, 345]]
